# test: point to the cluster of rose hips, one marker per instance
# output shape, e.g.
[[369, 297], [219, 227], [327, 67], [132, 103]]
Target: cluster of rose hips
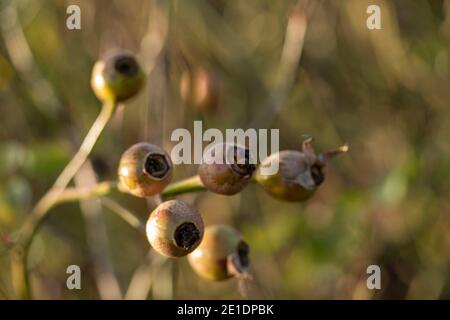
[[175, 228]]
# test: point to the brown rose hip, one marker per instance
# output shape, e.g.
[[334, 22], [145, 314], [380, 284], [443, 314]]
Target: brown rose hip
[[174, 228], [227, 177], [145, 169], [222, 254], [300, 172]]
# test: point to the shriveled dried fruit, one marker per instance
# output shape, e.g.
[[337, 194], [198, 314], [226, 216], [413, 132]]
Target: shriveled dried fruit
[[300, 172]]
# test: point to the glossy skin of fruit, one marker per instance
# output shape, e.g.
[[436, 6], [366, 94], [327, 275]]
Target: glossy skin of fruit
[[174, 228], [226, 178], [221, 255], [117, 77], [300, 172], [144, 169]]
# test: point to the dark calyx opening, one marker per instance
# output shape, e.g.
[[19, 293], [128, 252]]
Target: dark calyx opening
[[187, 235], [242, 169], [126, 65], [317, 174], [238, 262], [156, 165], [243, 251]]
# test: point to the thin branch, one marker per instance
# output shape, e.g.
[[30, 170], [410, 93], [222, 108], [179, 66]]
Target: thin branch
[[141, 281], [53, 198], [105, 188], [86, 147], [22, 58], [97, 238], [3, 291], [289, 62], [123, 213], [192, 184], [50, 199], [163, 277], [77, 194]]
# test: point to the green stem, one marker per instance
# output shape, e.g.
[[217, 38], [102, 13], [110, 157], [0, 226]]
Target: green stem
[[57, 196], [99, 190], [39, 213], [192, 184], [86, 147], [124, 214], [188, 185]]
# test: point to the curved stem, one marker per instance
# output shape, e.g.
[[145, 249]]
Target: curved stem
[[86, 147], [188, 185], [99, 190], [57, 196], [51, 198]]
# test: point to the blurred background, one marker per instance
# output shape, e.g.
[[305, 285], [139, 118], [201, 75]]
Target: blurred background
[[236, 64]]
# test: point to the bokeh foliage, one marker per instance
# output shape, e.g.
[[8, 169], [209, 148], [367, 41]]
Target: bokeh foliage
[[385, 92]]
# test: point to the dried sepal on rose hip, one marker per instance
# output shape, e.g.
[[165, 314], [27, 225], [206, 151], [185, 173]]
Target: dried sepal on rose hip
[[144, 169], [117, 77], [222, 254], [174, 228], [300, 173], [226, 168], [199, 89]]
